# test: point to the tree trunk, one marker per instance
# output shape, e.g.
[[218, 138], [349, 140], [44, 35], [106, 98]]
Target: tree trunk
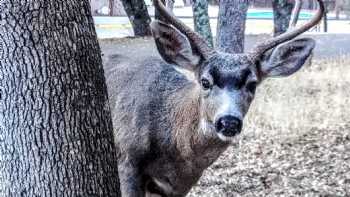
[[347, 9], [325, 18], [157, 14], [213, 2], [282, 10], [119, 8], [111, 7], [187, 3], [170, 5], [231, 25], [138, 16], [55, 125], [201, 20], [337, 9]]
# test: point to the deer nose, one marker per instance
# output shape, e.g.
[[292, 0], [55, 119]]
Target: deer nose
[[228, 125]]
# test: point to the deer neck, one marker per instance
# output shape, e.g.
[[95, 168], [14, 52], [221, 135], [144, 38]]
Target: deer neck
[[189, 136]]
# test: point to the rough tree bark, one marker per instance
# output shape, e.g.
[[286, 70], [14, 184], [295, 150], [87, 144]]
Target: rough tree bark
[[201, 20], [138, 16], [231, 25], [55, 125], [282, 10]]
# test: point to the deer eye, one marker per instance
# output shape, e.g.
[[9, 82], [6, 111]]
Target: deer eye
[[206, 84], [251, 87]]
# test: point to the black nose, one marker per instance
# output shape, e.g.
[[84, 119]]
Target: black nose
[[228, 126]]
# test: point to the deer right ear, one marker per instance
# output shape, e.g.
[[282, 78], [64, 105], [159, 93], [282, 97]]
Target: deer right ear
[[173, 46], [286, 58]]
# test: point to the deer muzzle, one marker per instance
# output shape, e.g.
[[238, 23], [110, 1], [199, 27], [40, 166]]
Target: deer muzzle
[[228, 125]]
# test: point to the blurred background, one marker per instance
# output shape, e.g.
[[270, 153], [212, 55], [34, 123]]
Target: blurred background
[[112, 21]]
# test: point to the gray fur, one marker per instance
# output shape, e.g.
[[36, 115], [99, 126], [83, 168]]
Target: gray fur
[[164, 121], [152, 127]]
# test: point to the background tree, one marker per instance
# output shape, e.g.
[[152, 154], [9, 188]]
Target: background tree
[[213, 2], [282, 10], [231, 25], [55, 124], [157, 14], [339, 6], [111, 7], [118, 9], [187, 2], [138, 16], [202, 20], [347, 9], [170, 5]]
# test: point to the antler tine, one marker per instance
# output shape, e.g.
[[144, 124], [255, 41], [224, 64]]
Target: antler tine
[[200, 44], [271, 43], [295, 14]]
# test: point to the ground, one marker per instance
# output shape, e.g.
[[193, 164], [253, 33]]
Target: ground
[[296, 140]]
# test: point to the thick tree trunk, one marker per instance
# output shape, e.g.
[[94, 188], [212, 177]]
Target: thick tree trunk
[[201, 20], [55, 125], [231, 25], [138, 16], [282, 10]]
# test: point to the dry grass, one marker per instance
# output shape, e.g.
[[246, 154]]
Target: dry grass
[[296, 140]]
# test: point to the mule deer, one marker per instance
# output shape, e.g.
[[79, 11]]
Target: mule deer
[[173, 119]]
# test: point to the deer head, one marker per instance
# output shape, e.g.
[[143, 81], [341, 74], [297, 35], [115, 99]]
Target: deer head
[[228, 81]]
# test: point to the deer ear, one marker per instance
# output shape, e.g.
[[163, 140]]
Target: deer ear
[[173, 46], [287, 58]]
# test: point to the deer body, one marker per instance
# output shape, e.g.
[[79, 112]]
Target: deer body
[[157, 123], [174, 117]]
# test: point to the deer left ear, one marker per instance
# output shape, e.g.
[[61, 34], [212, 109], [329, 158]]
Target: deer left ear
[[286, 59], [173, 46]]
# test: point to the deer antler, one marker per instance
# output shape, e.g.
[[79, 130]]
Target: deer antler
[[198, 42], [295, 14], [259, 50]]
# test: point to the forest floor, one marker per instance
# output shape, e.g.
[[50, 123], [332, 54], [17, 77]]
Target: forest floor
[[296, 140]]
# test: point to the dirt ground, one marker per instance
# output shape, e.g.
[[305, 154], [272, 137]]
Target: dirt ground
[[296, 140]]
